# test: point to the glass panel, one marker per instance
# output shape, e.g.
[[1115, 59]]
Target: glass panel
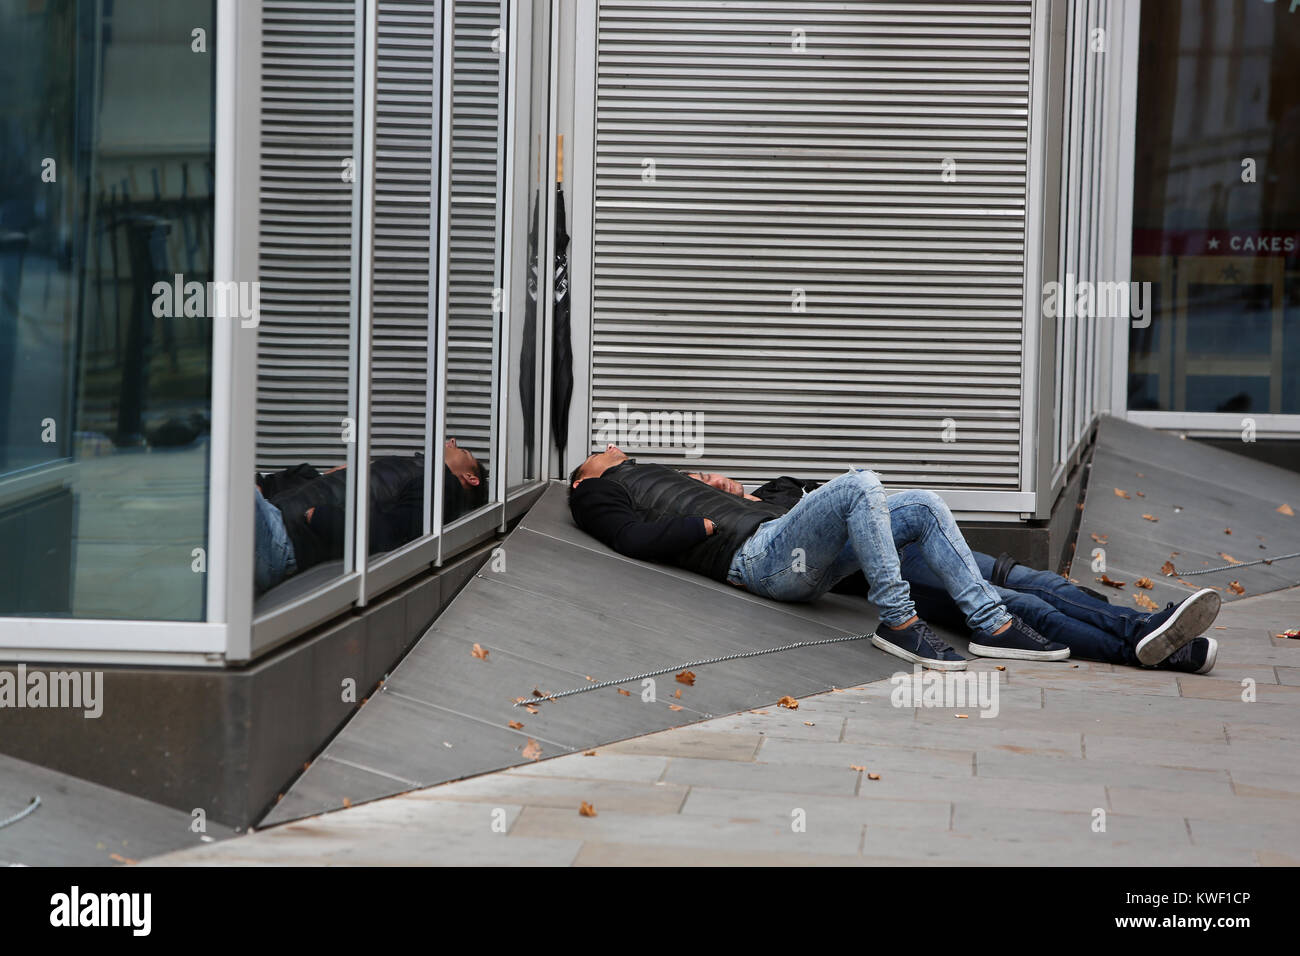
[[527, 435], [474, 252], [406, 181], [1216, 217], [105, 371], [308, 336]]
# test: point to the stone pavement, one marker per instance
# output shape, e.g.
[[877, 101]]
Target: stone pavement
[[1180, 770]]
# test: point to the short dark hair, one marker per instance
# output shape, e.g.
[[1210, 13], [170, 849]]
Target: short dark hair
[[573, 475]]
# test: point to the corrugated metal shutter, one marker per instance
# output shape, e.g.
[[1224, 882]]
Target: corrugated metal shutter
[[474, 227], [309, 87], [405, 111], [777, 171]]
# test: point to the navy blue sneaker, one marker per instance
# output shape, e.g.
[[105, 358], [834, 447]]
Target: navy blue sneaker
[[1168, 630], [918, 644], [1195, 657], [1019, 642]]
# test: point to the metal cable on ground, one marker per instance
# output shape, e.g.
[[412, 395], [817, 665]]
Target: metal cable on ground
[[31, 808], [1243, 564], [690, 664]]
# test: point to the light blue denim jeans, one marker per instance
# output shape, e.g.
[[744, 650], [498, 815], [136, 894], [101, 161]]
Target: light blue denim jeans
[[273, 558], [848, 525]]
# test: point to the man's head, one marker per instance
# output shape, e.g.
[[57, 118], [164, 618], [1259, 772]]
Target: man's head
[[470, 488], [462, 464], [596, 465], [721, 482]]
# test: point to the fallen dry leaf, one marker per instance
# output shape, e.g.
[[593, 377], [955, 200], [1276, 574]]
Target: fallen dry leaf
[[809, 723], [479, 652], [590, 678], [347, 802], [962, 716], [1286, 510], [854, 766], [1099, 538], [589, 753], [1105, 579], [520, 700], [1145, 583], [687, 678], [788, 702], [531, 709], [1229, 558], [1144, 602], [625, 693], [1227, 531], [675, 707], [1142, 494], [122, 859], [537, 693], [678, 693], [873, 776], [515, 725], [1168, 569], [1122, 494], [532, 750], [1001, 667], [1151, 517], [585, 809], [1236, 588], [761, 713]]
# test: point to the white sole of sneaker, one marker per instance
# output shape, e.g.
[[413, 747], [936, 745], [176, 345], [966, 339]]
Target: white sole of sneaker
[[1014, 654], [1192, 619], [1210, 656], [911, 658]]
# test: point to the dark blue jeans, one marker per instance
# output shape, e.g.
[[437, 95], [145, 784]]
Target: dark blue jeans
[[1051, 605]]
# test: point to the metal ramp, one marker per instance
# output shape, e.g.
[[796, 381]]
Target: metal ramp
[[1197, 494], [559, 610]]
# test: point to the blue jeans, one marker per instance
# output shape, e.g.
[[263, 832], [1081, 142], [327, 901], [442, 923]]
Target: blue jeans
[[273, 558], [849, 525], [1051, 605]]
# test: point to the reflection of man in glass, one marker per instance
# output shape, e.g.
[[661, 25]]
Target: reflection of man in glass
[[301, 514]]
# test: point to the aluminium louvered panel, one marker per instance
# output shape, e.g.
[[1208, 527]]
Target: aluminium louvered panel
[[785, 178], [1083, 173], [474, 227], [406, 108], [309, 92]]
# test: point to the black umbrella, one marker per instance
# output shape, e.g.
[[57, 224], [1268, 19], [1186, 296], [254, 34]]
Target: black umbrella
[[561, 340], [528, 350]]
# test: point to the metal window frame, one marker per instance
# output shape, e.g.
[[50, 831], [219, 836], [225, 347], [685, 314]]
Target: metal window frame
[[1195, 424]]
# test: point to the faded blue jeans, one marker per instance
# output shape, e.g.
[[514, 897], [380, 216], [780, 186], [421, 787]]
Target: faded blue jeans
[[849, 525], [273, 558]]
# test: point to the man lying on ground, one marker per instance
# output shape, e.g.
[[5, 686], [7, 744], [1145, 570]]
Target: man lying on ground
[[1090, 626], [301, 514], [654, 513]]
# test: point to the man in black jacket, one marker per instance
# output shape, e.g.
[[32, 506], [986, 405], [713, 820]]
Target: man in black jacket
[[1080, 619], [654, 513]]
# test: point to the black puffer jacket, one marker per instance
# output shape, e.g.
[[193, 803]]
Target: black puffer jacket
[[658, 492]]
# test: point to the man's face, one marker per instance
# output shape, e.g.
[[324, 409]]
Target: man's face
[[462, 464], [599, 463], [721, 482]]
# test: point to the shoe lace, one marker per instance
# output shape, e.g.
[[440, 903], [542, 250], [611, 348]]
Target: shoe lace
[[931, 639], [1029, 632]]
